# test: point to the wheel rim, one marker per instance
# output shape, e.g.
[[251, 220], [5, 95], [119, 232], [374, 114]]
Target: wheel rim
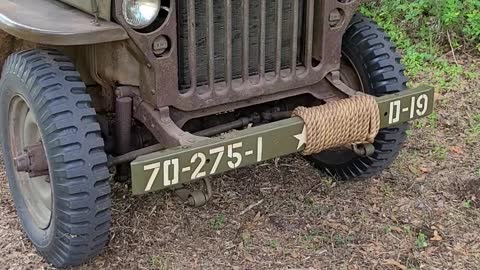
[[351, 77], [36, 191]]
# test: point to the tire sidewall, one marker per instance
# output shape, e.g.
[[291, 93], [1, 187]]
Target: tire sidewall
[[11, 86], [368, 49]]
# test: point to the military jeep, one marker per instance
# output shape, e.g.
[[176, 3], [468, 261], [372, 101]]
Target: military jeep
[[159, 93]]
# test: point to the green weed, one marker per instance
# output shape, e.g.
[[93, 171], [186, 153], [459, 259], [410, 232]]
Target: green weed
[[341, 240], [439, 151], [426, 30], [218, 222], [160, 263], [475, 125], [421, 241], [273, 243], [467, 204]]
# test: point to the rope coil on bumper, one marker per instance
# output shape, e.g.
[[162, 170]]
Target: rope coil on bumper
[[354, 120]]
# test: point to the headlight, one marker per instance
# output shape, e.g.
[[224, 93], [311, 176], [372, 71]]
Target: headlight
[[140, 13]]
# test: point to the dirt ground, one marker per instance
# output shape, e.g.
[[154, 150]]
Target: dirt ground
[[422, 213]]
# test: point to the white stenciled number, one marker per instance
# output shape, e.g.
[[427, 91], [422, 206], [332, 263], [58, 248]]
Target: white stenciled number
[[234, 155], [156, 168], [219, 151], [412, 108], [167, 180], [197, 173], [422, 105], [395, 109], [259, 149]]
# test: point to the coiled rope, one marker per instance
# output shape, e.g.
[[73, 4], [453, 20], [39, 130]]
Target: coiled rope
[[353, 120]]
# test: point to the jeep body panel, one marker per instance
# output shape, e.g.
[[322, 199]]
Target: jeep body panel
[[54, 23], [102, 8]]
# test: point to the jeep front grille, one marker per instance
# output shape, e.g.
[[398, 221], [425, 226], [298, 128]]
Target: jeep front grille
[[233, 42]]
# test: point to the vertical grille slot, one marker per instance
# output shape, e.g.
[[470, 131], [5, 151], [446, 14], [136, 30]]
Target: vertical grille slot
[[222, 41], [210, 46]]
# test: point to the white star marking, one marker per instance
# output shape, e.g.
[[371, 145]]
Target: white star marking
[[302, 138]]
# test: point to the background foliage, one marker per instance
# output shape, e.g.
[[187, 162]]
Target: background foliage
[[433, 35]]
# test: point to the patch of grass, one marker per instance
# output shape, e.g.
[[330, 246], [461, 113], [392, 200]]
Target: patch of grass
[[313, 239], [309, 201], [246, 239], [160, 263], [273, 243], [475, 125], [439, 151], [430, 121], [341, 240], [218, 222], [386, 190], [467, 204], [472, 75], [421, 241], [426, 30], [329, 182], [408, 230]]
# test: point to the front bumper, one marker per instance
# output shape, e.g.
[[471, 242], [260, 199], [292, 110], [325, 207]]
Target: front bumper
[[237, 149]]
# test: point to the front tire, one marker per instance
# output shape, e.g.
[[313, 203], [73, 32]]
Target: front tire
[[44, 101], [369, 54]]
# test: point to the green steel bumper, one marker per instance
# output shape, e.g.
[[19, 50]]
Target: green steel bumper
[[184, 164]]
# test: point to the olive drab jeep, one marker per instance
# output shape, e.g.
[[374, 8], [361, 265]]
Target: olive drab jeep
[[160, 93]]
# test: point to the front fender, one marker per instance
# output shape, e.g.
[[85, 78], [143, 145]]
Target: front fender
[[53, 23]]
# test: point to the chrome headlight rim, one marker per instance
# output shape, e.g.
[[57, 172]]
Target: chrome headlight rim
[[143, 24]]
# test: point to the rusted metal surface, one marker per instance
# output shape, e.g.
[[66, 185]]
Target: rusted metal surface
[[322, 90], [241, 81], [283, 51], [263, 78], [131, 156], [54, 23], [33, 161], [329, 28], [159, 123], [239, 123], [158, 74], [123, 124], [123, 132], [22, 163]]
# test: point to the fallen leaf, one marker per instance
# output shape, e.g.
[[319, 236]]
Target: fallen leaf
[[395, 263], [457, 150], [424, 169], [258, 216], [397, 229], [438, 97], [436, 236], [421, 178], [413, 169], [337, 226], [460, 249], [429, 251], [248, 256]]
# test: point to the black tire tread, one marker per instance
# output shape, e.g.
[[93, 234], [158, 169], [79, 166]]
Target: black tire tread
[[383, 74], [75, 148]]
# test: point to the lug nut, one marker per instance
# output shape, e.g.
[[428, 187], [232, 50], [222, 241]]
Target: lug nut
[[22, 163]]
